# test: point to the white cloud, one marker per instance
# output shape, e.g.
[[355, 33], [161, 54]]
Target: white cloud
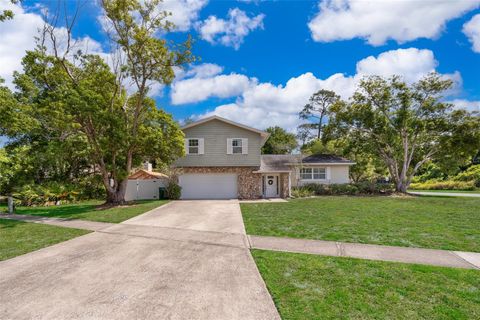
[[17, 37], [265, 104], [467, 105], [232, 31], [184, 12], [199, 89], [205, 70], [379, 21], [412, 63], [472, 30]]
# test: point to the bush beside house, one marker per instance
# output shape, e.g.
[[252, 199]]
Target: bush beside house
[[360, 188]]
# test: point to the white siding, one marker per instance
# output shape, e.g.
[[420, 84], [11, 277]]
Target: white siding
[[143, 189], [334, 174]]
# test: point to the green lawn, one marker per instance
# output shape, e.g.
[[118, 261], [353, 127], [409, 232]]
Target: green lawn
[[18, 237], [315, 287], [429, 222], [87, 210], [447, 191]]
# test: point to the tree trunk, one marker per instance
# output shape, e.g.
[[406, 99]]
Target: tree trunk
[[116, 196], [401, 186], [11, 207]]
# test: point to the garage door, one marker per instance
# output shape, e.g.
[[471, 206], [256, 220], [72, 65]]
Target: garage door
[[208, 186]]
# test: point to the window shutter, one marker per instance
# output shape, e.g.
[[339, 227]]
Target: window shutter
[[186, 146], [328, 173], [229, 146], [244, 146], [201, 146]]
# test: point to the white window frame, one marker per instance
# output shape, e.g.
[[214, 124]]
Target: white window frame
[[314, 174], [200, 146], [237, 150]]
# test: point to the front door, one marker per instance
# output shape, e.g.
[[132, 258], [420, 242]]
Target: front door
[[271, 186]]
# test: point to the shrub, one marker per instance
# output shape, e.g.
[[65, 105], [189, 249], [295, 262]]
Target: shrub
[[471, 174], [302, 192], [173, 191], [430, 172], [443, 185], [52, 192], [361, 188]]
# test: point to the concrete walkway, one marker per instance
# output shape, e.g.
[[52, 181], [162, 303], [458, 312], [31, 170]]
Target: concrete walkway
[[445, 194], [155, 266], [68, 223], [182, 221], [444, 258]]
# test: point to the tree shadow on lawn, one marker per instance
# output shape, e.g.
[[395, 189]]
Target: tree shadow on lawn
[[62, 211], [7, 223], [74, 211]]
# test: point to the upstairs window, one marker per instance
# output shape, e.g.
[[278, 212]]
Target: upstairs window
[[237, 146], [192, 146]]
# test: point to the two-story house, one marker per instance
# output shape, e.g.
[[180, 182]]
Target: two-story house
[[223, 160]]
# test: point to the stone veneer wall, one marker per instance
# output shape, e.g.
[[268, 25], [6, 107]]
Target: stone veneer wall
[[284, 191], [249, 183]]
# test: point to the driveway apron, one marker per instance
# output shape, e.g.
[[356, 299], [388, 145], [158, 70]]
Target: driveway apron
[[165, 264]]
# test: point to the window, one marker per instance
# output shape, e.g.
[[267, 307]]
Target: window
[[306, 173], [192, 146], [313, 174], [236, 146], [319, 174]]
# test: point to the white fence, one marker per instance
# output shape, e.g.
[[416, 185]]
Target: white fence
[[144, 189]]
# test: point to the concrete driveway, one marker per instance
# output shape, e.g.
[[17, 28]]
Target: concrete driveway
[[202, 215], [156, 266]]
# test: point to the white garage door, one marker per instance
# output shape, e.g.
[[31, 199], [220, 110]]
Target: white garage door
[[208, 186]]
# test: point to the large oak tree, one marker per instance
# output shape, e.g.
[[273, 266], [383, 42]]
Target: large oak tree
[[405, 125]]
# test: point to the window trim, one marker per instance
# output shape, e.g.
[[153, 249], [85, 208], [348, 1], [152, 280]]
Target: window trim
[[313, 173], [243, 146], [236, 147], [198, 146]]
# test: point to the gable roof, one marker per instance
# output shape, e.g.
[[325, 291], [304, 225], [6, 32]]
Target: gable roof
[[284, 162], [263, 134], [147, 175]]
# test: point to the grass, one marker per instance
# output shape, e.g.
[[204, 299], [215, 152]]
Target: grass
[[428, 222], [315, 287], [447, 191], [17, 237], [88, 210]]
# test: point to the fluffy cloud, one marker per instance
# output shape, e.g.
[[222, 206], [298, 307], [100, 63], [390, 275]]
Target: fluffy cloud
[[203, 82], [184, 12], [472, 30], [379, 21], [18, 37], [232, 31], [265, 104], [467, 105]]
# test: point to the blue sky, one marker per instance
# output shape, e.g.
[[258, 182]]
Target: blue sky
[[261, 60]]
